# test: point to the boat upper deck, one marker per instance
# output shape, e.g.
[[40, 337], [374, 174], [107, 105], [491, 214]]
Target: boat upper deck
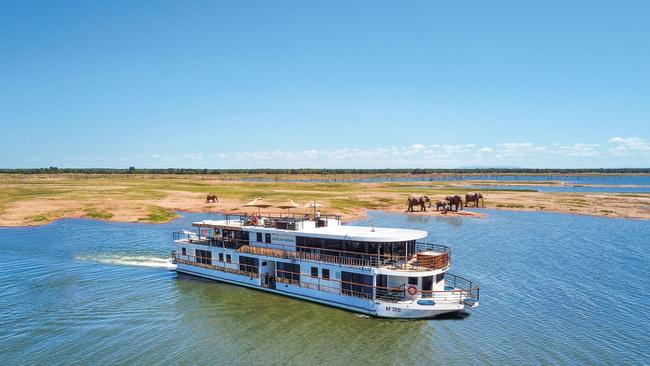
[[326, 227], [321, 240]]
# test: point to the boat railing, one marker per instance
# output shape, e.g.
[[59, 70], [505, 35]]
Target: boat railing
[[457, 289], [423, 247], [347, 288], [286, 221], [390, 294], [469, 288], [339, 257], [214, 264]]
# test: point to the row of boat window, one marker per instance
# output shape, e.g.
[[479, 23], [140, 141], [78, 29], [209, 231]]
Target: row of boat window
[[267, 237], [325, 271], [356, 284], [205, 256], [333, 246], [351, 282], [248, 264]]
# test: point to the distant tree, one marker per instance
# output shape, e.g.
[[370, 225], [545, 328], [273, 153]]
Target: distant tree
[[131, 169]]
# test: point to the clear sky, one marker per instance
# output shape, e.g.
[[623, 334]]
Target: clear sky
[[225, 84]]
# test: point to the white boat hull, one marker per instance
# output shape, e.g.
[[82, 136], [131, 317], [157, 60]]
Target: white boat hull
[[377, 308]]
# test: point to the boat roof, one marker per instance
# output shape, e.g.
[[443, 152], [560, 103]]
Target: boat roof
[[346, 232], [365, 233]]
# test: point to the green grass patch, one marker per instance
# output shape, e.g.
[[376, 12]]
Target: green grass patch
[[510, 205], [158, 214], [42, 218], [575, 202], [351, 203], [96, 214], [46, 217]]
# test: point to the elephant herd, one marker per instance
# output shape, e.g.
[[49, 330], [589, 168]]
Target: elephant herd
[[449, 203]]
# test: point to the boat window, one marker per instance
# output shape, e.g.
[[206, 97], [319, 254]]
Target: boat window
[[243, 235], [350, 247], [220, 257], [413, 281], [228, 258], [267, 238], [184, 251], [289, 271], [356, 284], [440, 277], [259, 237], [326, 274], [427, 286], [314, 271], [263, 264], [382, 281], [248, 264], [203, 256]]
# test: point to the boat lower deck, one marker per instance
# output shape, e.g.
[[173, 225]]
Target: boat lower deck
[[438, 303]]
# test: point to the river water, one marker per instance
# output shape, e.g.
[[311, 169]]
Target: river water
[[566, 189], [555, 289], [641, 180]]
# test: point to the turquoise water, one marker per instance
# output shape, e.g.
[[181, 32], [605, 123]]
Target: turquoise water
[[569, 189], [568, 179], [555, 289], [544, 188]]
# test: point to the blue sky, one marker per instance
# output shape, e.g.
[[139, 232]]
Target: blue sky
[[226, 84]]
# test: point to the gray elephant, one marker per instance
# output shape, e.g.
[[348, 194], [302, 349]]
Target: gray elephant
[[444, 204], [455, 201], [417, 200], [474, 197]]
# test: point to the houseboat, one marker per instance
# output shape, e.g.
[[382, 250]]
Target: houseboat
[[383, 272]]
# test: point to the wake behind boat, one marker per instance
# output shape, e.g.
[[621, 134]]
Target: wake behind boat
[[384, 272]]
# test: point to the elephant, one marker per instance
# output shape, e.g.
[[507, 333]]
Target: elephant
[[474, 197], [442, 203], [455, 201], [212, 198], [417, 200]]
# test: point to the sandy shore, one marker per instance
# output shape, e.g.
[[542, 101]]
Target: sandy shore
[[39, 199]]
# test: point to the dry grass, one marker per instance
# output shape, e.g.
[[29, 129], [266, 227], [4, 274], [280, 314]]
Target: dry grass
[[38, 199]]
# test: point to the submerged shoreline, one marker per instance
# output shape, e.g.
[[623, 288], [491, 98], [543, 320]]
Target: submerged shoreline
[[29, 200]]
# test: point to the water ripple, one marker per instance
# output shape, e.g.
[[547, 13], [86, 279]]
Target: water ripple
[[555, 289]]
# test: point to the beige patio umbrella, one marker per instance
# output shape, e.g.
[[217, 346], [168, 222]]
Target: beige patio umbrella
[[314, 205], [288, 205], [259, 203]]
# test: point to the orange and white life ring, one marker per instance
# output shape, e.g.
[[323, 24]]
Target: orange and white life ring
[[254, 220], [412, 290], [204, 232]]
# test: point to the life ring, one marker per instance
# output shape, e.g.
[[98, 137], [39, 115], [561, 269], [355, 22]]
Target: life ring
[[204, 232], [412, 290], [254, 220]]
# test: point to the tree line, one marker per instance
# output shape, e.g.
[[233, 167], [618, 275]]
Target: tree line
[[487, 171]]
